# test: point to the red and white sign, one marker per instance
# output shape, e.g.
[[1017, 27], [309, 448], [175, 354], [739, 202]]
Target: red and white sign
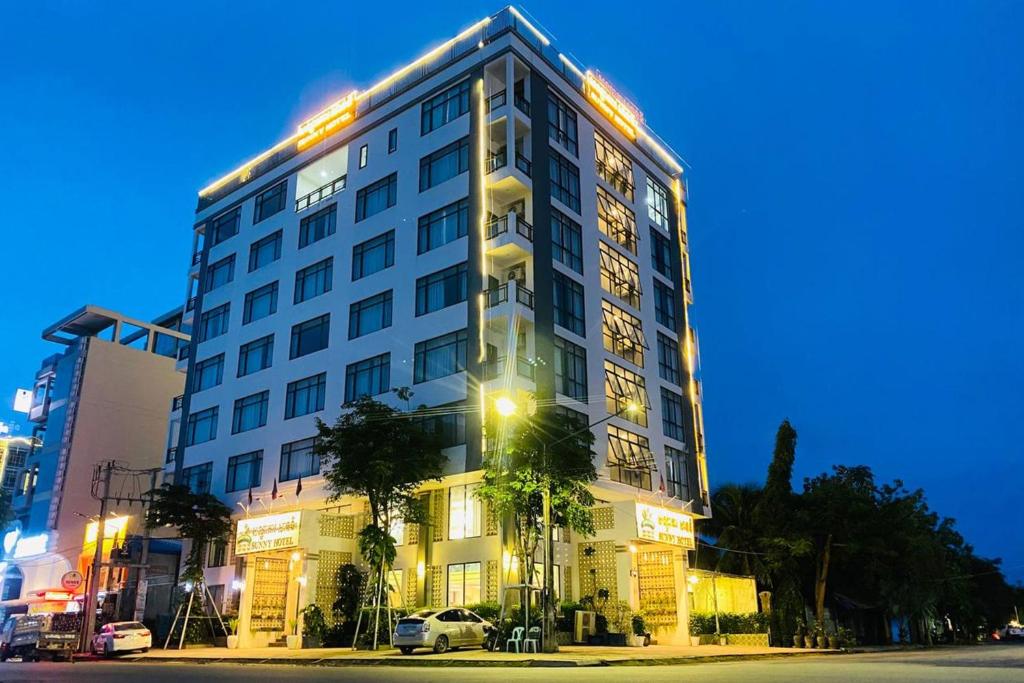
[[71, 581]]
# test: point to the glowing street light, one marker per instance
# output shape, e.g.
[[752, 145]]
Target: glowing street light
[[505, 406]]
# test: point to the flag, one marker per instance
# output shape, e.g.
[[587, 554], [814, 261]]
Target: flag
[[661, 487], [273, 492], [298, 489], [250, 496]]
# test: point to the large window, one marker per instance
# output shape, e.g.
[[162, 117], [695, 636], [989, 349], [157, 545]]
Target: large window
[[661, 253], [668, 359], [629, 458], [244, 472], [208, 373], [562, 124], [619, 275], [255, 355], [259, 303], [677, 482], [219, 273], [464, 512], [317, 226], [305, 396], [613, 165], [224, 226], [566, 241], [369, 315], [616, 220], [214, 322], [664, 305], [623, 334], [298, 460], [201, 426], [568, 304], [310, 336], [657, 203], [624, 388], [265, 251], [369, 377], [444, 108], [440, 357], [314, 280], [441, 289], [463, 584], [376, 197], [444, 164], [570, 369], [445, 225], [565, 181], [450, 428], [270, 201], [250, 412], [373, 255], [197, 478], [672, 414]]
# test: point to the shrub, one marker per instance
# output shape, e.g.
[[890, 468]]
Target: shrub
[[313, 623], [639, 625], [729, 622], [486, 610]]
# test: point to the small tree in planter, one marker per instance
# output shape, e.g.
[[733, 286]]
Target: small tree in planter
[[314, 626]]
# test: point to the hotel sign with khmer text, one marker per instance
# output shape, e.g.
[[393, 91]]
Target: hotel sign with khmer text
[[662, 525], [267, 533]]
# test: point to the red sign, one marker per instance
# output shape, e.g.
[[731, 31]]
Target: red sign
[[71, 580]]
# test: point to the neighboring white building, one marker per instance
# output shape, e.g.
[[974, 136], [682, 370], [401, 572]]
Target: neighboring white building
[[489, 221]]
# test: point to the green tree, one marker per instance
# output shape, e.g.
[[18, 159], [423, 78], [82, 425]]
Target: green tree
[[199, 517], [738, 538]]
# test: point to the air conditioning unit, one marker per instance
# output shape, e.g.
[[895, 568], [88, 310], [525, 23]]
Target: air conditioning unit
[[586, 625], [517, 272]]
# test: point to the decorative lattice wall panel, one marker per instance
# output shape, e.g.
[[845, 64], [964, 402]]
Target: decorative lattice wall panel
[[492, 520], [492, 581], [336, 526], [437, 514], [567, 581], [411, 590], [436, 586], [327, 587], [597, 569], [604, 518]]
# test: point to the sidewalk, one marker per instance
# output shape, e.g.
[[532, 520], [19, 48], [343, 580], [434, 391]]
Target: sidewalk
[[568, 656]]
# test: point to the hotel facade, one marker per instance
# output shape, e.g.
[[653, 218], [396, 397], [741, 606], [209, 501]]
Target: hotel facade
[[490, 221]]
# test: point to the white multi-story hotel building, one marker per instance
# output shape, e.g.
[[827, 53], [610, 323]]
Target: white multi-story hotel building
[[491, 220]]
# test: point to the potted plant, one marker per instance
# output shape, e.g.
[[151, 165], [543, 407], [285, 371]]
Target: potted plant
[[820, 641], [314, 626], [293, 639], [232, 633], [640, 636]]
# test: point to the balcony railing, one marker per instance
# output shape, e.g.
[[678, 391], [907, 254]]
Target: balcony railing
[[495, 368], [171, 452], [499, 226], [496, 100], [197, 256], [321, 193], [499, 295], [497, 160], [522, 104], [524, 296], [176, 402], [183, 352], [523, 164], [191, 303]]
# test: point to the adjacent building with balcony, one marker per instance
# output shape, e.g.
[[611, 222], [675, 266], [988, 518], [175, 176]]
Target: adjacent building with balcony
[[490, 221]]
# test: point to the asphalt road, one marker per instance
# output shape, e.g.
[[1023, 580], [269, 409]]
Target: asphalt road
[[996, 663]]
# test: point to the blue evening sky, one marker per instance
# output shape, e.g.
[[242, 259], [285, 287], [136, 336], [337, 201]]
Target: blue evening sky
[[855, 214]]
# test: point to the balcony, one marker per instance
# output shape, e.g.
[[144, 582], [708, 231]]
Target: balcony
[[321, 193], [524, 165], [496, 101], [497, 367], [497, 160], [509, 237], [507, 301], [176, 402], [522, 104]]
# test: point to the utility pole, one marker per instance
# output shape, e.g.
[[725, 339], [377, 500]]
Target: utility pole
[[89, 606]]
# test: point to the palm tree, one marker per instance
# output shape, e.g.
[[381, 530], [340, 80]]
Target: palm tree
[[739, 541]]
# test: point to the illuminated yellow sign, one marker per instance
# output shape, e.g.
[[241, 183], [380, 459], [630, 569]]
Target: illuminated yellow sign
[[662, 525], [267, 533], [328, 121], [613, 106]]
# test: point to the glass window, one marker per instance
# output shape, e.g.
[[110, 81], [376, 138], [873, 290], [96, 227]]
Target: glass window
[[208, 373], [619, 275], [317, 226], [440, 357], [664, 305], [623, 333], [565, 181], [310, 336], [197, 478], [463, 584], [444, 164], [264, 251], [676, 480], [376, 197], [256, 355], [250, 412], [562, 124], [570, 369], [661, 253], [305, 396], [201, 426], [368, 377], [217, 554], [441, 289], [657, 203], [613, 165], [224, 226], [464, 512], [566, 241], [449, 427], [629, 458], [369, 315], [445, 225], [244, 471], [392, 140], [364, 154], [668, 359], [373, 255], [314, 280], [298, 460], [214, 322], [270, 202], [672, 415], [259, 303], [444, 108], [622, 388], [616, 220], [219, 273], [568, 304]]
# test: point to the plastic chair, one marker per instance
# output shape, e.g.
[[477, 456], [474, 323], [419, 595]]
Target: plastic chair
[[516, 639], [532, 637]]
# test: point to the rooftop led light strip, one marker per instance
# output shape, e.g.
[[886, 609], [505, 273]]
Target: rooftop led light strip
[[527, 24], [611, 104], [328, 121]]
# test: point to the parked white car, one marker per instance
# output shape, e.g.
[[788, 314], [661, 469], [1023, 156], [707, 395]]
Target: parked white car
[[440, 630], [121, 636]]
